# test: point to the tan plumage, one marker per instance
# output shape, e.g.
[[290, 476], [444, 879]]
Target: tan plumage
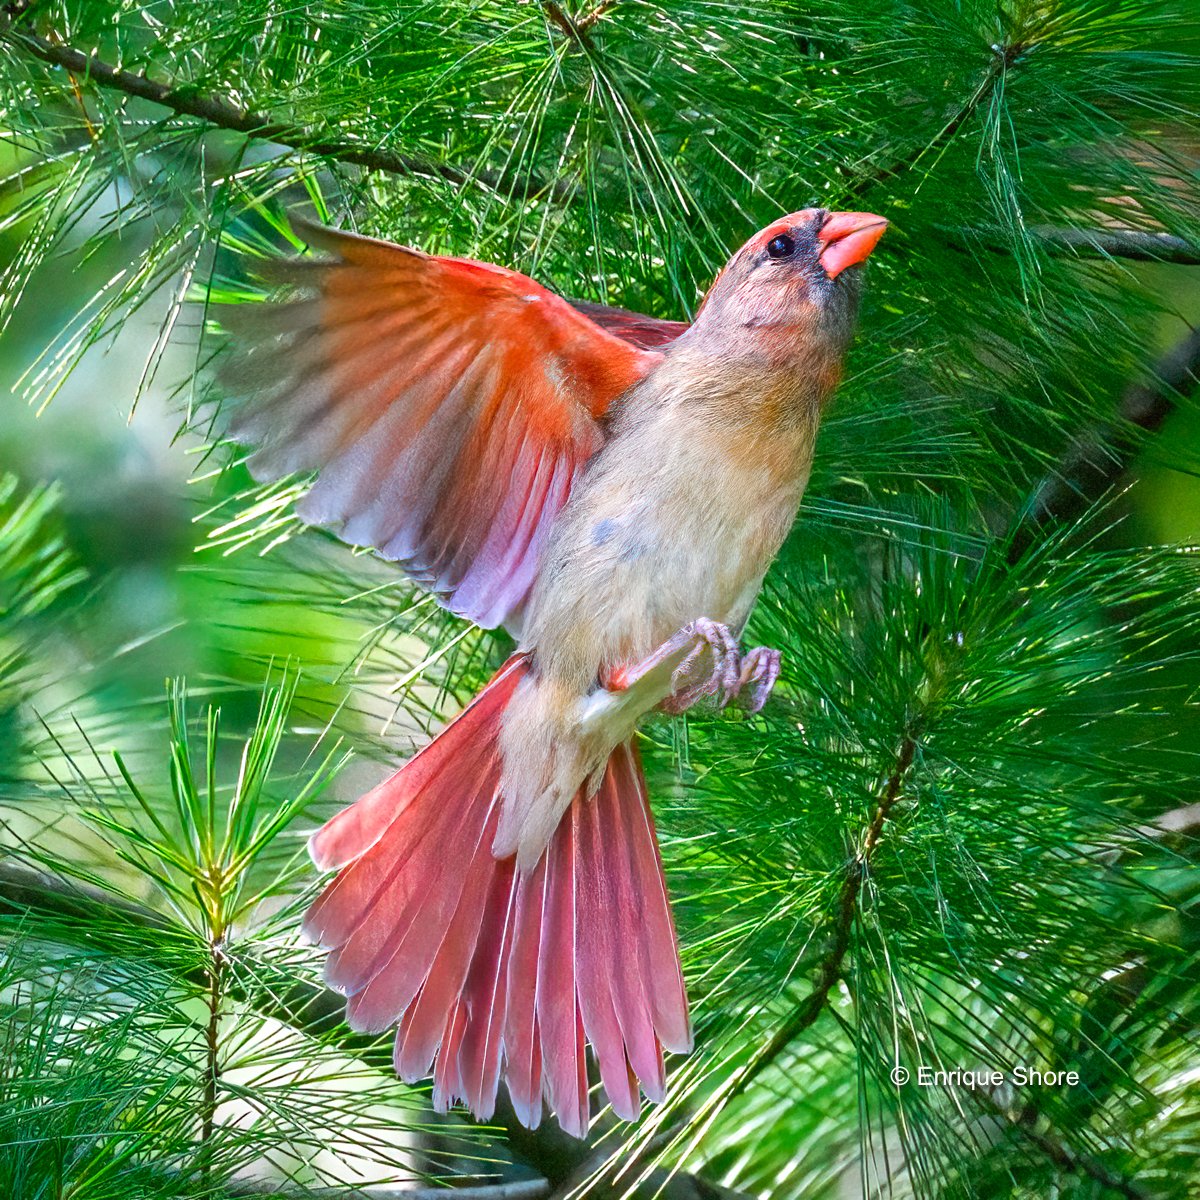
[[612, 489]]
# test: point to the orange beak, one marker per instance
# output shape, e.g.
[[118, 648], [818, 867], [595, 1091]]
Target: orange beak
[[847, 238]]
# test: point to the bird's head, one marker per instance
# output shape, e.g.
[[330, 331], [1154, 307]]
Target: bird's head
[[793, 284]]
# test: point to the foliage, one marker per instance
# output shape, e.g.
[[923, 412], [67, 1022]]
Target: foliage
[[147, 1049], [959, 835]]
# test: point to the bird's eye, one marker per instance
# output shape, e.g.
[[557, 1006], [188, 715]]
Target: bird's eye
[[780, 246]]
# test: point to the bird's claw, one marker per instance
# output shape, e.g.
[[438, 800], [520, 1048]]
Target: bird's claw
[[712, 667], [715, 668], [760, 670], [700, 661]]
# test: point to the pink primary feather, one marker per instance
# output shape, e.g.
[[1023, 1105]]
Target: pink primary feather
[[626, 930], [420, 1029], [377, 882], [657, 944], [446, 1087], [355, 829], [596, 955], [485, 993], [398, 969], [490, 973]]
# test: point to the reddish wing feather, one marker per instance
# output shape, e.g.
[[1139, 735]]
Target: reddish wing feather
[[648, 333], [448, 406]]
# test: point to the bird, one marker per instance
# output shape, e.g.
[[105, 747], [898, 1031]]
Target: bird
[[611, 489]]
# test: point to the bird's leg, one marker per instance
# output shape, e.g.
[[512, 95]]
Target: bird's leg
[[699, 661]]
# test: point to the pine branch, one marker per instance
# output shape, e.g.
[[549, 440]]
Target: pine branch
[[565, 1161], [1053, 1149], [830, 970], [589, 19], [1090, 467], [576, 28], [223, 114], [566, 25], [216, 971], [1137, 245], [533, 1189], [1003, 57], [310, 1008]]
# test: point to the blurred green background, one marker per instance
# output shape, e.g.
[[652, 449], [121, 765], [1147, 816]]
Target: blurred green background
[[1032, 897]]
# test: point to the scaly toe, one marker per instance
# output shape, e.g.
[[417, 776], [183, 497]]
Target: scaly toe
[[727, 660], [760, 670], [711, 668]]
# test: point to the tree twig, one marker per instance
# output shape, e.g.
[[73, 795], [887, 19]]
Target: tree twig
[[576, 28], [1062, 1156], [562, 19], [1090, 466], [1139, 245], [531, 1189], [214, 998], [1003, 58], [223, 114], [832, 962], [590, 18]]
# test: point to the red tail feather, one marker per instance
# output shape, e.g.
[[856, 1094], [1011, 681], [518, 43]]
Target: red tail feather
[[488, 973]]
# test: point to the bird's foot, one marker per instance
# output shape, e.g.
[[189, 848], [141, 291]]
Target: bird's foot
[[702, 662], [756, 679], [699, 662], [710, 667]]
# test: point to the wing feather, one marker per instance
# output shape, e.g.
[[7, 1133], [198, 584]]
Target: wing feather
[[447, 406]]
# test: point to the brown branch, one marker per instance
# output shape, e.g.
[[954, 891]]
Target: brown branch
[[589, 19], [314, 1009], [1138, 245], [532, 1189], [656, 1184], [215, 1002], [575, 28], [560, 17], [1062, 1156], [223, 114], [832, 962], [830, 971], [1090, 467], [525, 1189], [1003, 58]]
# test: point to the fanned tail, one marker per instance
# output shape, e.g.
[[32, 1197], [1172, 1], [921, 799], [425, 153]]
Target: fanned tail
[[491, 973]]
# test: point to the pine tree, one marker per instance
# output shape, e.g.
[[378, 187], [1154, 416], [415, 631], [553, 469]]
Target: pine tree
[[961, 837]]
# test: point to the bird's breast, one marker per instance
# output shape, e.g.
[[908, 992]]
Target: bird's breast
[[678, 517]]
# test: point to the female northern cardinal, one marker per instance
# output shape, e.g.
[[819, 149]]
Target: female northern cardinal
[[611, 488]]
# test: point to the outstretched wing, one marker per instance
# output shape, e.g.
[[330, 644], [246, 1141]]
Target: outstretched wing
[[447, 405]]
